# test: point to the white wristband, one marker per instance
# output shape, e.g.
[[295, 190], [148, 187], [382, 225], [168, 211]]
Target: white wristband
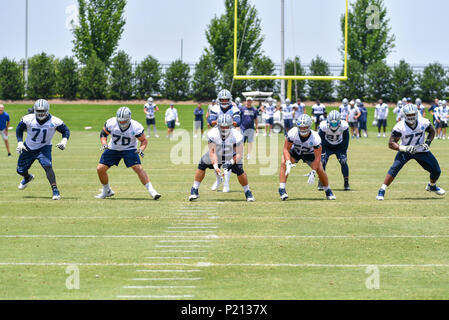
[[64, 140], [403, 148], [232, 161], [216, 166]]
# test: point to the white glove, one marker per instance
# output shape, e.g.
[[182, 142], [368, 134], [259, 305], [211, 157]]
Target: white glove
[[62, 144], [288, 168], [425, 147], [311, 177], [21, 147], [177, 123], [140, 153], [104, 147], [408, 149]]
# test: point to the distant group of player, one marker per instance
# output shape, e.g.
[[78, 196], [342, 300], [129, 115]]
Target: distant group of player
[[225, 155]]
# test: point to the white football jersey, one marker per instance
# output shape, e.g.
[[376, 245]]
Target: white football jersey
[[233, 111], [318, 109], [344, 110], [382, 111], [287, 112], [225, 148], [123, 140], [352, 113], [300, 109], [409, 136], [398, 111], [151, 108], [270, 110], [304, 147], [40, 135], [334, 137], [442, 113]]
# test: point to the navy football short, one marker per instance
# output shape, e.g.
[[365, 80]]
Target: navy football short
[[353, 124], [437, 124], [362, 125], [112, 157], [426, 159], [288, 124], [171, 124], [27, 158], [382, 123], [341, 155], [269, 121], [205, 163], [306, 158], [151, 121]]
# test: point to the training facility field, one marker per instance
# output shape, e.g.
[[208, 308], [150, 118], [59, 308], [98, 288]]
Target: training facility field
[[220, 247]]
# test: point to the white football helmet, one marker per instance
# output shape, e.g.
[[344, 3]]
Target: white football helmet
[[345, 101], [124, 118], [418, 102], [41, 109], [237, 100], [410, 112], [287, 101], [224, 98], [224, 123], [334, 120], [304, 124], [150, 100]]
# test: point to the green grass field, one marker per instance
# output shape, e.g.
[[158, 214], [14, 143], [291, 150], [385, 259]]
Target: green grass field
[[220, 247]]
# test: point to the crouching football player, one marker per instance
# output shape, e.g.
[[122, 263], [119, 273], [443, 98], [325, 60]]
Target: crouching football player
[[411, 131], [334, 134], [124, 134], [40, 127], [303, 144], [225, 151]]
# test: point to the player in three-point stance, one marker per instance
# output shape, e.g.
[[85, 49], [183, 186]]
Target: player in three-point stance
[[334, 134], [303, 144], [411, 131], [40, 127], [225, 151], [124, 134]]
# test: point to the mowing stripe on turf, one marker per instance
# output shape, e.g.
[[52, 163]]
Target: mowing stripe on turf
[[154, 297], [159, 287], [167, 279]]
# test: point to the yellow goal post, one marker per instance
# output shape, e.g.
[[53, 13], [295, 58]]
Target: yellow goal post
[[290, 78]]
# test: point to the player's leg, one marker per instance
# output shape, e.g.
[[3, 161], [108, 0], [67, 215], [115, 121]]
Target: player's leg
[[200, 173], [343, 160], [429, 163], [324, 180], [324, 159], [148, 128], [5, 139], [249, 133], [145, 180], [401, 159], [24, 163], [243, 180], [283, 177], [155, 128], [108, 159], [44, 157]]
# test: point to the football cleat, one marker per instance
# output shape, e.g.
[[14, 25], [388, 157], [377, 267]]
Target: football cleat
[[381, 195], [283, 194], [156, 196], [320, 187], [104, 195], [435, 189], [24, 183], [347, 187], [330, 195], [217, 183], [56, 195], [249, 196], [194, 194]]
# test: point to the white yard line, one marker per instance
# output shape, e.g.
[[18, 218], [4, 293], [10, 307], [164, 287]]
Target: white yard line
[[169, 271], [189, 227], [191, 246], [185, 258], [180, 251], [159, 287], [167, 279]]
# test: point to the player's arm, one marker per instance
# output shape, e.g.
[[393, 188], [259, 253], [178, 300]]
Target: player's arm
[[431, 130], [64, 130], [287, 147], [213, 157], [236, 119], [345, 142], [19, 135], [315, 165], [238, 152], [143, 144], [156, 109], [257, 121], [104, 138], [393, 143], [145, 110], [357, 116]]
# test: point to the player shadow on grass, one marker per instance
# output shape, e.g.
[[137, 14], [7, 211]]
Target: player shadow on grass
[[419, 199], [48, 198]]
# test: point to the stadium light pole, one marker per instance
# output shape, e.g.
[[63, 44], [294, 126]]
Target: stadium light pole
[[26, 48], [282, 51]]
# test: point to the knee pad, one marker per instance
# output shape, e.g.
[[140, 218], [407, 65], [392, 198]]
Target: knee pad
[[343, 160]]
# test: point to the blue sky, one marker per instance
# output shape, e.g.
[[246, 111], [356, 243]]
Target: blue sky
[[156, 27]]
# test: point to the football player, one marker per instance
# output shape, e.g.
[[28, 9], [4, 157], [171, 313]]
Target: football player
[[411, 132], [124, 134], [334, 134], [224, 106], [225, 151], [398, 110], [40, 127], [353, 116], [299, 108], [303, 144], [287, 115], [344, 109], [318, 110], [269, 109], [381, 116], [442, 115], [150, 109]]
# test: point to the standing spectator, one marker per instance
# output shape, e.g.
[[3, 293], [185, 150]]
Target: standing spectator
[[363, 119], [287, 115], [318, 110], [150, 109], [171, 119], [248, 118], [344, 110], [4, 125], [421, 108], [199, 113], [353, 116], [381, 116]]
